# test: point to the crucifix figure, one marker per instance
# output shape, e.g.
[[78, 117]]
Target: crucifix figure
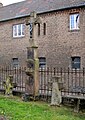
[[32, 21], [31, 30]]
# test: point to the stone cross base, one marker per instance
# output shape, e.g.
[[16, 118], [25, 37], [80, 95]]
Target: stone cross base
[[56, 94]]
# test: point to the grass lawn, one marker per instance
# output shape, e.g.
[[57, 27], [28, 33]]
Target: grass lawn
[[15, 109]]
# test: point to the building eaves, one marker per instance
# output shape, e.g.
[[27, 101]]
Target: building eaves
[[23, 9]]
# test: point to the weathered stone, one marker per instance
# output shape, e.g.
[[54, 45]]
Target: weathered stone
[[33, 62], [56, 98], [56, 95], [9, 85]]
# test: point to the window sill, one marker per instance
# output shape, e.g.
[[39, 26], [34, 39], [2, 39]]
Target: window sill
[[76, 69], [75, 30], [19, 36]]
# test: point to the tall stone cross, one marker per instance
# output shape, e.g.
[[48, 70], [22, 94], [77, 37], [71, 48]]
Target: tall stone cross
[[33, 57]]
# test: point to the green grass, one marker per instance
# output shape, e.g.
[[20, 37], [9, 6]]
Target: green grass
[[15, 109]]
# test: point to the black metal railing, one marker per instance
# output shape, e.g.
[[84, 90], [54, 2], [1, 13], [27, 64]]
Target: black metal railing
[[73, 81], [18, 74]]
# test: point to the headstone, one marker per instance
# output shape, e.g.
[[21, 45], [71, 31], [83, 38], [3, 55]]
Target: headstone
[[56, 94], [56, 98]]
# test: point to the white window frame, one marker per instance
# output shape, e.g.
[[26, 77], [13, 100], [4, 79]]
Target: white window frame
[[74, 21], [15, 62], [16, 30]]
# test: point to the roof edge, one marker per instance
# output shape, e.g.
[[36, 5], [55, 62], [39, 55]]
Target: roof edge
[[64, 8], [39, 13]]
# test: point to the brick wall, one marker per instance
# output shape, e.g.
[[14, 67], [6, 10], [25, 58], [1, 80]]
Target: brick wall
[[58, 45]]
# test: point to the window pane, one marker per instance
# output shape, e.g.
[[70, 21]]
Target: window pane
[[77, 21], [23, 29], [74, 21], [76, 59], [14, 30], [76, 65], [42, 61], [44, 27], [15, 62], [75, 62], [38, 29], [19, 29]]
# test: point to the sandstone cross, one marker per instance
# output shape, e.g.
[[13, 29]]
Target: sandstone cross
[[34, 71]]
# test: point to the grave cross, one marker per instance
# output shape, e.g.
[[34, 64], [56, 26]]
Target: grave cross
[[33, 61], [32, 21]]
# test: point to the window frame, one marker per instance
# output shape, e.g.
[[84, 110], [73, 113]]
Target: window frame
[[15, 62], [19, 28], [38, 29], [42, 62], [75, 62], [74, 21], [44, 28]]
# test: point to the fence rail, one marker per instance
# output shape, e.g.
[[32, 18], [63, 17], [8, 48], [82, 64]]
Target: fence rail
[[18, 74], [71, 78]]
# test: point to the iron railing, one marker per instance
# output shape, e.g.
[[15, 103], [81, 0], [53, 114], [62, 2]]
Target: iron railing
[[71, 78], [73, 81]]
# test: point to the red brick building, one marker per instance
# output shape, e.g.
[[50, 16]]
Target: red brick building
[[60, 37]]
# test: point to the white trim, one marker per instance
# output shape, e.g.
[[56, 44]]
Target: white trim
[[16, 27], [74, 20]]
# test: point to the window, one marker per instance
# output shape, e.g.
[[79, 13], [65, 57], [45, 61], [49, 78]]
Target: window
[[74, 21], [76, 62], [42, 62], [38, 29], [44, 29], [18, 30], [15, 62]]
